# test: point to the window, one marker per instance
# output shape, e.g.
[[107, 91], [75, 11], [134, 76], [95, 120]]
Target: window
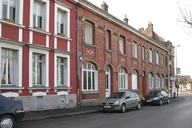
[[151, 81], [123, 84], [11, 57], [61, 71], [122, 45], [143, 53], [108, 40], [162, 83], [37, 15], [157, 81], [134, 50], [162, 60], [150, 55], [8, 67], [11, 10], [38, 69], [157, 58], [88, 32], [90, 77], [134, 80]]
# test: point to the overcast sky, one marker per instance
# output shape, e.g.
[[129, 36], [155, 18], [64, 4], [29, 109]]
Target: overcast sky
[[163, 14]]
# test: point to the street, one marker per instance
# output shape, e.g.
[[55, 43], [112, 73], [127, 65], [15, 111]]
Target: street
[[177, 114]]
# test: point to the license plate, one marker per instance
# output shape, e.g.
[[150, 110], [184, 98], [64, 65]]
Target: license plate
[[148, 100], [107, 106]]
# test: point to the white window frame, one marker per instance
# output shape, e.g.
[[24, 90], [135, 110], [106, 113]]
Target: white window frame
[[151, 81], [150, 56], [61, 7], [18, 69], [89, 28], [143, 53], [157, 58], [67, 71], [45, 79], [122, 44], [134, 49], [92, 70], [122, 79], [18, 11], [134, 79], [45, 13]]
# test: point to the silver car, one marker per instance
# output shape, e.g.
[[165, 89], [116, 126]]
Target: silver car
[[121, 101]]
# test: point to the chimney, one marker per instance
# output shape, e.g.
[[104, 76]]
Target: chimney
[[126, 19], [104, 6], [150, 29], [141, 29]]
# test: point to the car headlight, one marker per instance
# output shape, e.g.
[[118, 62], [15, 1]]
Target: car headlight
[[116, 102], [156, 98]]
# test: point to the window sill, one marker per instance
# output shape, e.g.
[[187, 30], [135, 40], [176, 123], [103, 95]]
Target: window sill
[[90, 92], [91, 45], [62, 37], [39, 31], [62, 88], [7, 87], [122, 54], [38, 88], [108, 50], [134, 58], [123, 90], [13, 24]]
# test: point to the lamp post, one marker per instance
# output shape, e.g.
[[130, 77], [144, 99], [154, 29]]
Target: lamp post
[[177, 70]]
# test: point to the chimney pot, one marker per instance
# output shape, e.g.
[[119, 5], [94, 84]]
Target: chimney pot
[[104, 6], [126, 19]]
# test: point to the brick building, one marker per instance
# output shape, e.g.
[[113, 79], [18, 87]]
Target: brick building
[[38, 53], [113, 56]]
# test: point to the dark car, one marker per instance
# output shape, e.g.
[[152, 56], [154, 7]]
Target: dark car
[[156, 97], [120, 101], [11, 112]]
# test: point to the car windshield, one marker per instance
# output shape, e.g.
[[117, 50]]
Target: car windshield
[[117, 95], [153, 94]]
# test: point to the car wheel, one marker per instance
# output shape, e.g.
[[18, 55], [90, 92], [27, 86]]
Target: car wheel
[[138, 106], [123, 108], [160, 102], [168, 101], [7, 121]]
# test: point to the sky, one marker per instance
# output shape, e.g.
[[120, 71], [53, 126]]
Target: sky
[[163, 14]]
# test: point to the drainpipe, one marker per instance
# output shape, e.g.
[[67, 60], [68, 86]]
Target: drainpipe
[[78, 54]]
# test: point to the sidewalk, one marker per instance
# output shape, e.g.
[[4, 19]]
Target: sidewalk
[[47, 114]]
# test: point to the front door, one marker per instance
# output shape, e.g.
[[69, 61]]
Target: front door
[[107, 82]]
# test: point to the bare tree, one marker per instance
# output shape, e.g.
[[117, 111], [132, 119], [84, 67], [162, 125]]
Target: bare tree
[[185, 18]]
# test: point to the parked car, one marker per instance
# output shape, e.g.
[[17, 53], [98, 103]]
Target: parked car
[[11, 112], [121, 101], [156, 97]]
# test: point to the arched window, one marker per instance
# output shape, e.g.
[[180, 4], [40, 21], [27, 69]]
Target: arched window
[[157, 81], [151, 81], [122, 80], [134, 80], [89, 77], [162, 82]]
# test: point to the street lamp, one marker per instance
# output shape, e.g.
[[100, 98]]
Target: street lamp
[[177, 69]]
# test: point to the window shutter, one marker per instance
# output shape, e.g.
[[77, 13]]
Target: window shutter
[[96, 80]]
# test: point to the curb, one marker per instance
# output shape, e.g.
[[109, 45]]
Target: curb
[[58, 115]]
